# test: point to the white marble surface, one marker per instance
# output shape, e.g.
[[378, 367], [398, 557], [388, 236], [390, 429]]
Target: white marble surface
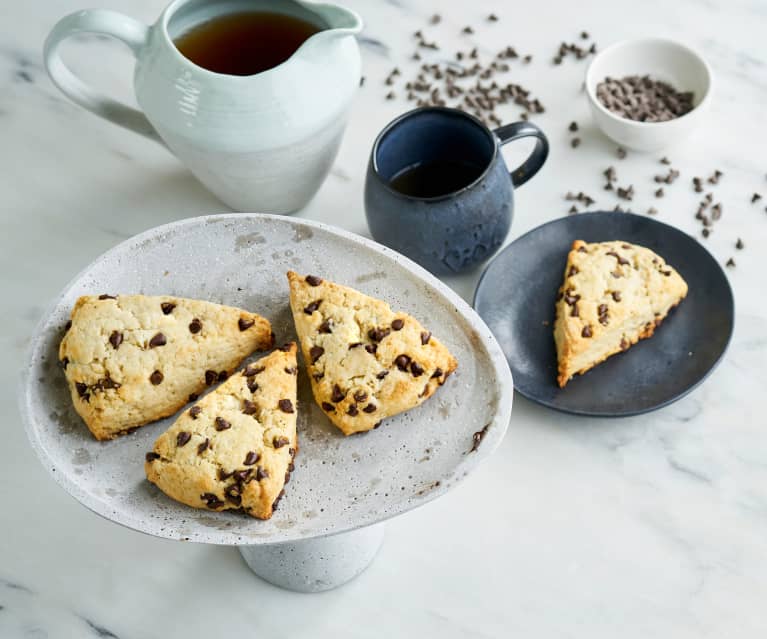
[[654, 526]]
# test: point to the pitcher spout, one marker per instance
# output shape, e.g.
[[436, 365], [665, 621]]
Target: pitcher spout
[[340, 20]]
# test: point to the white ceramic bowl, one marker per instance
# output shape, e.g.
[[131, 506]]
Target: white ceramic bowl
[[664, 60]]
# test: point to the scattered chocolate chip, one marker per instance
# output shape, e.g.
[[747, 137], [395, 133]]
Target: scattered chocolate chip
[[222, 376], [211, 500], [397, 324], [371, 348], [354, 345], [382, 374], [621, 260], [437, 373], [337, 395], [731, 262], [279, 442], [182, 439], [248, 407], [310, 308], [150, 457], [242, 475], [616, 296], [573, 271], [467, 30], [203, 446], [245, 324], [251, 458], [352, 410], [416, 369], [327, 406], [652, 211], [193, 397], [223, 475], [377, 334], [575, 143], [370, 408], [326, 327], [755, 197], [425, 337], [573, 126], [739, 244], [624, 344], [586, 332], [315, 352], [195, 326], [286, 406], [68, 325], [706, 232], [252, 369], [115, 339], [659, 192], [313, 280], [167, 307], [194, 412], [360, 396], [261, 473], [402, 362], [158, 340], [222, 424], [665, 160], [232, 493], [210, 377], [104, 296], [156, 378], [435, 19]]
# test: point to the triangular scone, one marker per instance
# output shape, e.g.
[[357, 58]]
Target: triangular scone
[[613, 295], [132, 359], [365, 361], [235, 447]]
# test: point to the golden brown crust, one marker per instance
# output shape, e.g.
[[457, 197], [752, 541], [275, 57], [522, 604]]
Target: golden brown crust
[[133, 359], [613, 295], [365, 361], [235, 447]]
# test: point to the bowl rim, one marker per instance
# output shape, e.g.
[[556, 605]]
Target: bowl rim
[[651, 40]]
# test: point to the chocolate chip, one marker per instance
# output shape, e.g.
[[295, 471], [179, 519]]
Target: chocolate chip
[[659, 192], [382, 374], [291, 370], [573, 271], [252, 386], [621, 260], [248, 407], [326, 327], [315, 352], [104, 296], [574, 312], [570, 299], [376, 425], [360, 396], [425, 337], [279, 442], [755, 198], [252, 369], [573, 126], [222, 424], [167, 307], [310, 308], [210, 377], [377, 334], [616, 296], [624, 344], [437, 373], [371, 348], [195, 326], [402, 362], [313, 280], [150, 457], [68, 325], [182, 439], [194, 412], [397, 324], [222, 375], [352, 410], [327, 406], [251, 458], [242, 475], [156, 378], [286, 406], [586, 332], [730, 262], [158, 340], [370, 408], [115, 339], [203, 446], [416, 369], [261, 473], [64, 363], [575, 143], [211, 500], [193, 397], [223, 475], [233, 494], [337, 395], [739, 244], [245, 324]]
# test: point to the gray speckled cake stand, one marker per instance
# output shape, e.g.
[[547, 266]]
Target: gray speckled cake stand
[[328, 527]]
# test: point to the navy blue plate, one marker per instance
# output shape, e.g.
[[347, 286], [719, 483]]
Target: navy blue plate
[[516, 294]]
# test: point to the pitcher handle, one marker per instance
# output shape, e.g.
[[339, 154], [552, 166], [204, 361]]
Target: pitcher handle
[[531, 166], [116, 25]]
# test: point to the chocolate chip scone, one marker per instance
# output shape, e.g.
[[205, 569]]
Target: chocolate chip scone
[[235, 447], [365, 361], [613, 295], [133, 359]]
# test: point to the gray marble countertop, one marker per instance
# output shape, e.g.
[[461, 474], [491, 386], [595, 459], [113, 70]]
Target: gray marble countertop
[[651, 526]]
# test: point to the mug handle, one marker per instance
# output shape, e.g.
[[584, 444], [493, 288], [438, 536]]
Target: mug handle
[[116, 25], [531, 166]]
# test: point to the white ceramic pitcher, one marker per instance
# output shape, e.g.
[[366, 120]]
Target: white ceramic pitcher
[[263, 142]]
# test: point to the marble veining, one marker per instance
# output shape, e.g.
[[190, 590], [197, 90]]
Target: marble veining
[[650, 526]]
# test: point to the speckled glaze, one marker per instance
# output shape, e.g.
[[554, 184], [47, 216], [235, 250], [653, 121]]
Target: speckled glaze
[[454, 232], [340, 484], [262, 142], [314, 565]]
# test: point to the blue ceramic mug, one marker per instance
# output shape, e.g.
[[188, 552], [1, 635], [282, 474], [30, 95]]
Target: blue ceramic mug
[[438, 190]]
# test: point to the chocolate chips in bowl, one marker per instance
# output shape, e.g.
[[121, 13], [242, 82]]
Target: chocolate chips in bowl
[[649, 93]]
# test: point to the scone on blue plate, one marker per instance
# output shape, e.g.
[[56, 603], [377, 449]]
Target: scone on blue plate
[[234, 448], [366, 362], [613, 295], [132, 359]]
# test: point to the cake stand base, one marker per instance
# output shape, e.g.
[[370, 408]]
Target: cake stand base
[[314, 565]]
